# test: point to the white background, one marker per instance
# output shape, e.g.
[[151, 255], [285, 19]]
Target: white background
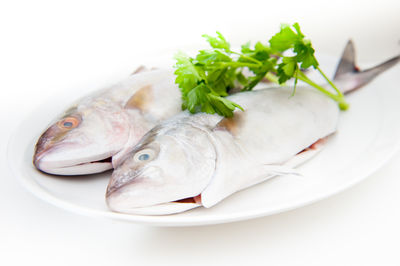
[[50, 46]]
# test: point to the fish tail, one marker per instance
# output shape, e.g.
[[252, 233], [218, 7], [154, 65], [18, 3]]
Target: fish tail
[[349, 77]]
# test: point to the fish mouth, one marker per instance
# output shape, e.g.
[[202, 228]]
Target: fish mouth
[[122, 205], [172, 207], [195, 199], [83, 166], [119, 200]]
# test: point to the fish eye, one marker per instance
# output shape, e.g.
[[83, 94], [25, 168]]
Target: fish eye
[[144, 155], [68, 123]]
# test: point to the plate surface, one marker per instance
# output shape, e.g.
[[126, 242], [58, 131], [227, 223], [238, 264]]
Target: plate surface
[[367, 136]]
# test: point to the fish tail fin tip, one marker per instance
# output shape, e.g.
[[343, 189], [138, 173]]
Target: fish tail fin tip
[[348, 69], [383, 66]]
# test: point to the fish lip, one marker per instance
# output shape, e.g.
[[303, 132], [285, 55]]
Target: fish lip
[[58, 167], [168, 208], [111, 190], [77, 169], [116, 188], [38, 156], [165, 208]]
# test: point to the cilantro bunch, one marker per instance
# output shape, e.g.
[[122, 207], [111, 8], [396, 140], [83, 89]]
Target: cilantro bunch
[[207, 79]]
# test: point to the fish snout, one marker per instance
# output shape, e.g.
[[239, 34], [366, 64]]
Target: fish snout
[[43, 146], [37, 157], [119, 180], [54, 136]]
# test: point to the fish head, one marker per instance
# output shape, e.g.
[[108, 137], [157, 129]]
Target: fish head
[[165, 173], [82, 140]]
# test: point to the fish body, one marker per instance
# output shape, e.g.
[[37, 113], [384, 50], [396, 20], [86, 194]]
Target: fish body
[[85, 137], [197, 160], [212, 156]]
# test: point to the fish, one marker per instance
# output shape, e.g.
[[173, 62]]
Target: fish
[[88, 136], [189, 161]]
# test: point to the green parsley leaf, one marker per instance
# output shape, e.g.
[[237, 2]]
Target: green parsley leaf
[[283, 40], [218, 42], [305, 55], [187, 76], [196, 97], [223, 106], [207, 79], [209, 57]]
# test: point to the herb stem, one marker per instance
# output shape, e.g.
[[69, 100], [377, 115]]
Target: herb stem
[[248, 58], [234, 64], [343, 105], [272, 77], [330, 82], [205, 80]]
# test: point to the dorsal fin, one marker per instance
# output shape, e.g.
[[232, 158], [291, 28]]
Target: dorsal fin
[[231, 124], [140, 99], [347, 63], [140, 69]]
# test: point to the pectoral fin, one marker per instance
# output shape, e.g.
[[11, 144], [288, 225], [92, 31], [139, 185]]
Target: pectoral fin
[[223, 185], [279, 170]]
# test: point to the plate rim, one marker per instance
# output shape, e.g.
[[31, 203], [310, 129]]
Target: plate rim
[[174, 220]]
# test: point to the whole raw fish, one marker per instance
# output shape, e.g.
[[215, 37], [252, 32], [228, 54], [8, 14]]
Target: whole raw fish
[[198, 160], [84, 137]]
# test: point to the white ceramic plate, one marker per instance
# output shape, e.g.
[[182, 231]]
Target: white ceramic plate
[[368, 135]]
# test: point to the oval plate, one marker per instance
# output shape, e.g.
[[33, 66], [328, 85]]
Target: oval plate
[[367, 137]]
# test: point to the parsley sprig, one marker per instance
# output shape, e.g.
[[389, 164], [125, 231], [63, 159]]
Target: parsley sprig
[[207, 79]]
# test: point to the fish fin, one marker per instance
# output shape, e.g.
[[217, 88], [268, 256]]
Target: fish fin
[[347, 63], [279, 170], [307, 153], [231, 124], [140, 99], [348, 70], [223, 185], [140, 69]]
